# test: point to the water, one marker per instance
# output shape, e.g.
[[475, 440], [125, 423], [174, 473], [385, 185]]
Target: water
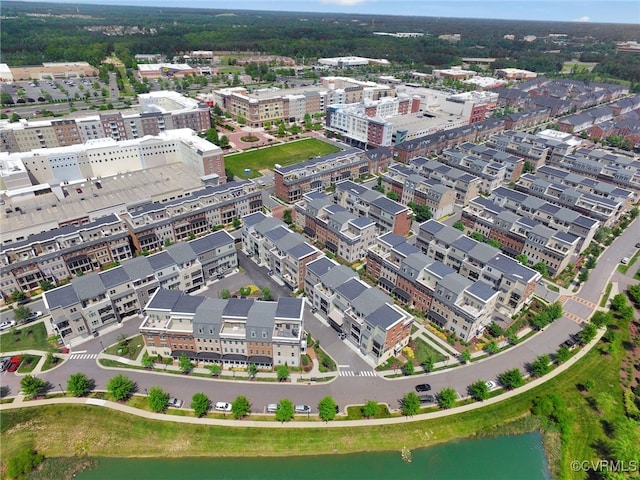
[[517, 457]]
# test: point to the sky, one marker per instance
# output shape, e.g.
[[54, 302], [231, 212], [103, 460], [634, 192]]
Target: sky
[[600, 11]]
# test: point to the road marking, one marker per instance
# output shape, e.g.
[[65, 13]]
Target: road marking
[[350, 373], [80, 351], [343, 366], [83, 356]]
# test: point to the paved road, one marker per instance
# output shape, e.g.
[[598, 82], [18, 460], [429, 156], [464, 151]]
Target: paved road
[[345, 389]]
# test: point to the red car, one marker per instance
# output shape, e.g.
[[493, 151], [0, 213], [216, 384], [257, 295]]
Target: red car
[[14, 364]]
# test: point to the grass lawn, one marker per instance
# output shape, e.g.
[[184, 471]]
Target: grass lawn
[[28, 363], [98, 432], [131, 350], [33, 337], [50, 362], [424, 350], [287, 154]]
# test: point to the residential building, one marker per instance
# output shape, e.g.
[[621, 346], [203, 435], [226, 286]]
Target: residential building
[[318, 174], [369, 317], [96, 300], [233, 332], [271, 244], [465, 185]]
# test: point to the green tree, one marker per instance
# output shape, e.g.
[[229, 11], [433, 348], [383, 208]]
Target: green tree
[[78, 385], [200, 404], [225, 294], [240, 407], [541, 365], [447, 397], [147, 360], [185, 364], [23, 462], [479, 390], [583, 276], [391, 195], [282, 372], [511, 379], [428, 364], [466, 355], [492, 347], [223, 142], [633, 291], [215, 369], [236, 222], [459, 226], [157, 399], [327, 409], [588, 333], [494, 243], [21, 313], [18, 296], [266, 294], [253, 370], [46, 285], [410, 404], [562, 354], [408, 368], [370, 408], [422, 212], [541, 268], [523, 259], [120, 387], [284, 411], [212, 136], [287, 216], [32, 386]]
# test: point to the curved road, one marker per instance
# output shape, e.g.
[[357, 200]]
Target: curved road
[[357, 389]]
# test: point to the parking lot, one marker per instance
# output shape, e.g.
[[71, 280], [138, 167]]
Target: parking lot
[[49, 91]]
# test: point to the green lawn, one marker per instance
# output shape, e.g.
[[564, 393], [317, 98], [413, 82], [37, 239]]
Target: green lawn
[[33, 337], [28, 363], [131, 350], [424, 350], [287, 154]]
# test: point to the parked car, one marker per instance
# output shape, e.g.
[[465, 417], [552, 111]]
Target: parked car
[[302, 409], [427, 398], [14, 363], [4, 363], [7, 325], [272, 407], [175, 402], [423, 387], [33, 316], [638, 245], [223, 406], [491, 385], [625, 260]]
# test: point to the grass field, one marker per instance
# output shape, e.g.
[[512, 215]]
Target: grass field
[[286, 154], [424, 350], [33, 337]]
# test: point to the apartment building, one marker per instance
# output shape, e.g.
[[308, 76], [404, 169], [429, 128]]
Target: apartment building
[[479, 261], [95, 300], [271, 244], [521, 235], [388, 215], [233, 332], [465, 185], [491, 174], [605, 210], [106, 156], [318, 174], [412, 187], [56, 255], [553, 216], [152, 224], [512, 163], [369, 317], [339, 231], [156, 112]]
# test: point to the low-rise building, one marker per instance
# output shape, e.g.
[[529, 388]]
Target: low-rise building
[[465, 185], [368, 317], [233, 332], [95, 300]]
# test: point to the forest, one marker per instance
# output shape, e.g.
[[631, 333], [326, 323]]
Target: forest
[[33, 33]]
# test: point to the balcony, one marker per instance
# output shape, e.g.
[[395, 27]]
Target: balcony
[[233, 330]]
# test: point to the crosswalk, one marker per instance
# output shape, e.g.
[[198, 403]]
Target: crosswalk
[[351, 373], [83, 356]]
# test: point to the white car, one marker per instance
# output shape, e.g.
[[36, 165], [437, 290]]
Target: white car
[[33, 316], [175, 402], [491, 385], [6, 325], [302, 409], [223, 406]]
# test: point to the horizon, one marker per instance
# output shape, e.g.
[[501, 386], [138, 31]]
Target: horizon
[[614, 12]]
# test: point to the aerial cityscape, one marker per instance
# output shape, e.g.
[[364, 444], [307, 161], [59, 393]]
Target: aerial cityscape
[[396, 234]]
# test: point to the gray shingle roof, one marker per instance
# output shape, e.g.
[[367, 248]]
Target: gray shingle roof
[[289, 308], [337, 276], [482, 290], [113, 277], [321, 266], [238, 307], [383, 317], [351, 289], [163, 299], [88, 286], [187, 303], [141, 267], [370, 300], [181, 253], [61, 297]]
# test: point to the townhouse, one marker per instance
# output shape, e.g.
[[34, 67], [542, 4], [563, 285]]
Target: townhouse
[[490, 173], [339, 231], [368, 317], [55, 255], [318, 174], [233, 332], [465, 185], [412, 187], [556, 217], [513, 164], [475, 261], [151, 225], [448, 299], [387, 214], [95, 300], [270, 243]]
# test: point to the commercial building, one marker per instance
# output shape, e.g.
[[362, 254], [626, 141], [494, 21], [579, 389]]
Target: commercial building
[[318, 174], [95, 300], [233, 332], [51, 70], [269, 243], [368, 317]]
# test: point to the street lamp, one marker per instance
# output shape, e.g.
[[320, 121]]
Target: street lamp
[[146, 392], [101, 345], [60, 385]]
